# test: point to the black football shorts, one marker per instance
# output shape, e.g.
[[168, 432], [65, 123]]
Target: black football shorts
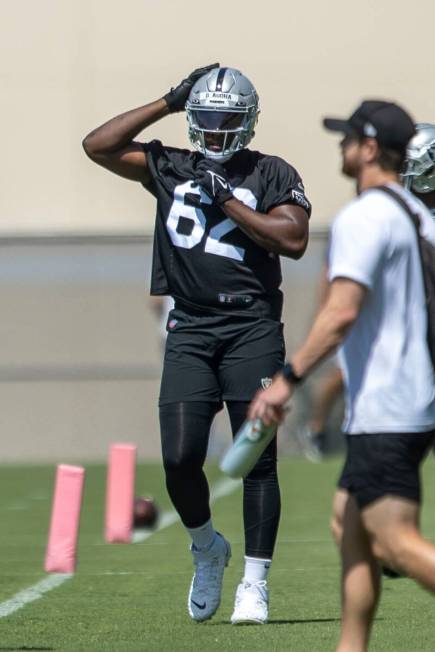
[[219, 357], [384, 464]]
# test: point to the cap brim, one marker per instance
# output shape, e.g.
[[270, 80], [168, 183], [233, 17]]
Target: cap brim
[[334, 124]]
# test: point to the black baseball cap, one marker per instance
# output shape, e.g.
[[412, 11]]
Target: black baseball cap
[[387, 122]]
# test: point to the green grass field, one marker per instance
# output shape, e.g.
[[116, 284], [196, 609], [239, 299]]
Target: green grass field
[[133, 597]]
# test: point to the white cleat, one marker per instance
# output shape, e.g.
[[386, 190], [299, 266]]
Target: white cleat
[[206, 587], [252, 604]]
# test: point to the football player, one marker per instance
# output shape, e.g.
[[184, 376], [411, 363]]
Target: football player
[[225, 214], [419, 175]]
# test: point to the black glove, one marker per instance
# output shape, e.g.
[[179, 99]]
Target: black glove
[[212, 178], [177, 97]]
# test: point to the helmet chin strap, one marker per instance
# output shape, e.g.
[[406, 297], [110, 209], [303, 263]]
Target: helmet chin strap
[[221, 158]]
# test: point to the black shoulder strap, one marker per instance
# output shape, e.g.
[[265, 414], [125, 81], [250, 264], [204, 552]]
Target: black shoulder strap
[[428, 279], [414, 219], [404, 204]]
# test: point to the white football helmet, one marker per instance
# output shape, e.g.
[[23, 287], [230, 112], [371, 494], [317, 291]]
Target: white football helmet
[[419, 175], [222, 111]]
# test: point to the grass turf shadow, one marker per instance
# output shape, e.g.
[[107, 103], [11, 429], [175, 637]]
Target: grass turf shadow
[[26, 647], [278, 621]]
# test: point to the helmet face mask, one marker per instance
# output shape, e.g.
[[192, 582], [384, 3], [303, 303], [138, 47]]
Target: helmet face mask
[[222, 112], [419, 175]]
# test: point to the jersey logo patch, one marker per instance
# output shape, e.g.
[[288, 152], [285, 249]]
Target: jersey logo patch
[[266, 382], [300, 199]]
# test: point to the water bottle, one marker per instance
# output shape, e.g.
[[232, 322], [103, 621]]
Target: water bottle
[[250, 441]]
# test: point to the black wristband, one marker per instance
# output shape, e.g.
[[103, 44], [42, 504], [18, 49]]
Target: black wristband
[[290, 375]]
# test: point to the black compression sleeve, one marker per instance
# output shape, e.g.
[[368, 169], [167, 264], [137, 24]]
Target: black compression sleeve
[[185, 429], [261, 495]]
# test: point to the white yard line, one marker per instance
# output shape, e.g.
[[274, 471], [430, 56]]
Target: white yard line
[[221, 488], [224, 487], [19, 600]]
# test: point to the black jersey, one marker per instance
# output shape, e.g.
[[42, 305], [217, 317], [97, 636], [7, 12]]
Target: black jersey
[[200, 256]]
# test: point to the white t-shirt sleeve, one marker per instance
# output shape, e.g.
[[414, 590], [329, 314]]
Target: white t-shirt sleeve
[[358, 243]]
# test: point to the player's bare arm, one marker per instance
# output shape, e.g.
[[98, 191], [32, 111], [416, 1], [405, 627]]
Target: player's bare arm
[[112, 144], [283, 230], [328, 331]]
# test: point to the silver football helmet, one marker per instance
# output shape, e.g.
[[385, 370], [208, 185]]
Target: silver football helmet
[[222, 111], [419, 175]]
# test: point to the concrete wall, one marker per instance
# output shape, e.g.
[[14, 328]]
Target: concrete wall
[[66, 66], [80, 348]]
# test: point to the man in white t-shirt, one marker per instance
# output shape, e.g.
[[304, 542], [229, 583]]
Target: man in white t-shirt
[[376, 310], [419, 178]]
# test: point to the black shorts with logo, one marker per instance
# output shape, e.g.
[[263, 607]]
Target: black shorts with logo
[[383, 464], [219, 357]]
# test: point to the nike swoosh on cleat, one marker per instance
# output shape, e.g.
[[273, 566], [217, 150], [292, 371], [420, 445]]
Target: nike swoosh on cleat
[[200, 606]]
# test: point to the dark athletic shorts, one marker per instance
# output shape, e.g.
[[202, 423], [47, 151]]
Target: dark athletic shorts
[[381, 464], [217, 358]]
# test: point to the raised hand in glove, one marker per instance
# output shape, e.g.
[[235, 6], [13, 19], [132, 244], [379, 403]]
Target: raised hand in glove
[[177, 97], [212, 178]]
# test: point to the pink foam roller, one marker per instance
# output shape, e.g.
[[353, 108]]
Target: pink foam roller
[[61, 554], [120, 493]]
